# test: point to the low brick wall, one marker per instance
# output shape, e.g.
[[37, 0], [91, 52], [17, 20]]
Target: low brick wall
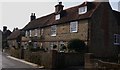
[[14, 52], [94, 64], [104, 65], [52, 59], [34, 57]]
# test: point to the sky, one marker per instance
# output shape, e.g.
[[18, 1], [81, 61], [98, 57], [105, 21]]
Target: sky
[[16, 13]]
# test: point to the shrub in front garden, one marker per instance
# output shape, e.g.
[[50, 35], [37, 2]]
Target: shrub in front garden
[[76, 45]]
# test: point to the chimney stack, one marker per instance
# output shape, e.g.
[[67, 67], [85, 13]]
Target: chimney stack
[[58, 7], [32, 17], [4, 28]]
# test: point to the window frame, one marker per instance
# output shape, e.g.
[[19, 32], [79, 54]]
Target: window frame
[[26, 33], [30, 33], [52, 44], [116, 39], [36, 32], [41, 31], [57, 17], [53, 32], [76, 26], [80, 10]]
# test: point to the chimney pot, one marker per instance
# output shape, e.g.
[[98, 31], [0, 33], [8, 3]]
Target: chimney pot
[[60, 3], [34, 14], [58, 7], [4, 28], [32, 17]]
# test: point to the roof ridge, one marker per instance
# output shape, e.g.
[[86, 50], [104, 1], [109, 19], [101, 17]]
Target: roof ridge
[[68, 15]]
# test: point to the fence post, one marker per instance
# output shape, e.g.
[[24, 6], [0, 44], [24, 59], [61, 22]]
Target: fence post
[[49, 59]]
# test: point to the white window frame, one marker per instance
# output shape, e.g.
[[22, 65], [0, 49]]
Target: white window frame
[[57, 17], [53, 30], [42, 31], [36, 32], [35, 44], [26, 33], [82, 10], [30, 31], [74, 25], [116, 39], [52, 44]]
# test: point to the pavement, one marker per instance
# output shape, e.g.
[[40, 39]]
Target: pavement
[[11, 62]]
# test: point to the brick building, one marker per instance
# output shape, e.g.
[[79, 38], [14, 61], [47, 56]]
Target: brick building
[[93, 22], [14, 39]]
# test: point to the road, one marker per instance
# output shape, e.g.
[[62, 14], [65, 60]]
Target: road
[[10, 63]]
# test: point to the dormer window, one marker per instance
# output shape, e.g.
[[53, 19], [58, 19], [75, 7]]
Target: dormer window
[[82, 10], [57, 17]]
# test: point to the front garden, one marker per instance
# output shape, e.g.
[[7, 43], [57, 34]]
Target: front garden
[[53, 58]]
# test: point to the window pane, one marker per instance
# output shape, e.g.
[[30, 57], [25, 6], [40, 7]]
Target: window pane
[[26, 33], [116, 39], [57, 17], [53, 30], [82, 10], [42, 31], [36, 33], [73, 26], [30, 33]]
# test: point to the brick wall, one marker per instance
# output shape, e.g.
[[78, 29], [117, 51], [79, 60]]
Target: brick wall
[[103, 26], [12, 43], [95, 64], [63, 33]]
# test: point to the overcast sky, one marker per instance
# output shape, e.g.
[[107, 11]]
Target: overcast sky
[[17, 13]]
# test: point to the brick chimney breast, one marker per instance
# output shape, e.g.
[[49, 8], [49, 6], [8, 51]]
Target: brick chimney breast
[[58, 7]]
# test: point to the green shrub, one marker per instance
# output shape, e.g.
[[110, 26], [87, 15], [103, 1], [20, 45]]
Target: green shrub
[[76, 45], [33, 49]]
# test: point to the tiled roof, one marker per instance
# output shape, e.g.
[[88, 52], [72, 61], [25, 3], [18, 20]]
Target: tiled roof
[[67, 15], [14, 35], [36, 23]]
